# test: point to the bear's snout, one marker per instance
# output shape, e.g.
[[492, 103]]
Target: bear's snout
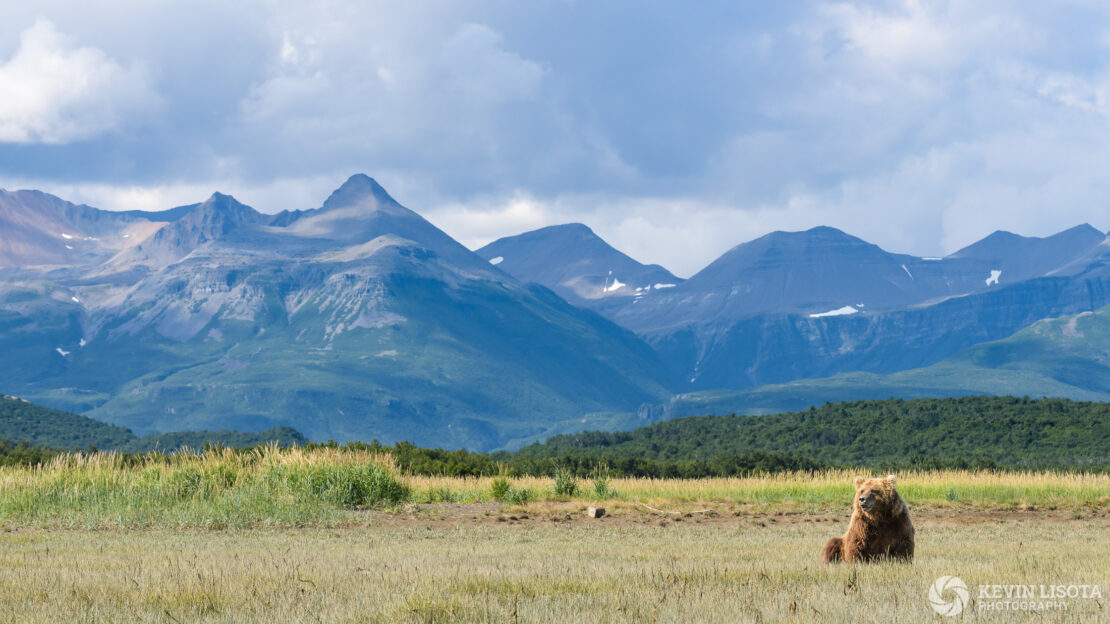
[[866, 502]]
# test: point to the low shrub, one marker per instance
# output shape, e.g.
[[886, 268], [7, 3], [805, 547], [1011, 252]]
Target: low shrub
[[566, 484], [500, 488]]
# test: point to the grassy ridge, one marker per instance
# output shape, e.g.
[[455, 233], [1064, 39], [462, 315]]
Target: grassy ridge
[[215, 489]]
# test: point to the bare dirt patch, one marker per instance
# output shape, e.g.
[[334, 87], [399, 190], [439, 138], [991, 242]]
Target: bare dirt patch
[[624, 513]]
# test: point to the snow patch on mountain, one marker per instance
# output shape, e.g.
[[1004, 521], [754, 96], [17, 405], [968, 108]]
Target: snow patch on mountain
[[993, 279], [837, 312], [496, 261]]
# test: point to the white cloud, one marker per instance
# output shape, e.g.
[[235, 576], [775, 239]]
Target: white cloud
[[289, 52], [483, 220], [55, 92], [481, 69], [917, 125], [912, 36], [375, 84]]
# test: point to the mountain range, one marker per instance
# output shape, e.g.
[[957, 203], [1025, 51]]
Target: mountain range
[[354, 320], [359, 319], [799, 305]]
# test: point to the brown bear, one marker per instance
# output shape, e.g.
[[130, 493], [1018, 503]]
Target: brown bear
[[880, 527]]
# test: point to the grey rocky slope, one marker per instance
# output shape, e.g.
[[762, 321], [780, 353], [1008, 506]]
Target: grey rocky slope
[[356, 320]]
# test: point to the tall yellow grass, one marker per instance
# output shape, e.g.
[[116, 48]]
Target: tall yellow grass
[[829, 487], [272, 486], [215, 488]]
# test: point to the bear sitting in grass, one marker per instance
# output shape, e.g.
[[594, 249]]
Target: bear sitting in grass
[[880, 527]]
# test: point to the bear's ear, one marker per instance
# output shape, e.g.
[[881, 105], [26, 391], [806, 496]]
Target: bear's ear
[[858, 481], [891, 478]]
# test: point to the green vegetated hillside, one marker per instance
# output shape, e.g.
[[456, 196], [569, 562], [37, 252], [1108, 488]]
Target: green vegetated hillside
[[471, 367], [21, 421], [1066, 357], [1002, 431]]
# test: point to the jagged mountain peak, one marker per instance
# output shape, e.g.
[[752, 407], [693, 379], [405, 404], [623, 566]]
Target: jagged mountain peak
[[221, 207], [213, 219], [219, 198], [356, 190]]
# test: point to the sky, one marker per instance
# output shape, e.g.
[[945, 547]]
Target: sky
[[675, 130]]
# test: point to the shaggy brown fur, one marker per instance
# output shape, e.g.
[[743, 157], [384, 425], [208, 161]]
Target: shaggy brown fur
[[880, 526]]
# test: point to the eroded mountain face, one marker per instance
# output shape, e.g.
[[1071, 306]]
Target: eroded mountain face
[[356, 320]]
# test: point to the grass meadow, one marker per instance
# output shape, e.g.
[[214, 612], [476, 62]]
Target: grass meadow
[[339, 536], [544, 572]]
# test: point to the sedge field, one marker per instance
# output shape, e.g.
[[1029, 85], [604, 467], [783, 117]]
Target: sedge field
[[326, 536]]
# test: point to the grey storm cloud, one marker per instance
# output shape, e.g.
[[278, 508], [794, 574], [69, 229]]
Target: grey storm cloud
[[676, 130]]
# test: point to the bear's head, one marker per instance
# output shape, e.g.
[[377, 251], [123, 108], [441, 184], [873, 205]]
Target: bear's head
[[877, 497]]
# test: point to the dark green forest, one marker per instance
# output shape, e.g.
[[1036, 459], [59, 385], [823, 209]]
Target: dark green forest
[[968, 432], [53, 430], [959, 432], [26, 422]]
